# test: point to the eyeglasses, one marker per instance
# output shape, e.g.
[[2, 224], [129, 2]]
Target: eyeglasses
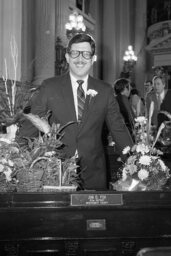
[[75, 54]]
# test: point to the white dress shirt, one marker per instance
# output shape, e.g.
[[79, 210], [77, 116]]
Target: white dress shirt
[[162, 95]]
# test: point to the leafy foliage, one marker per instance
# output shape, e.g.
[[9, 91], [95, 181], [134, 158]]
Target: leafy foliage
[[41, 162], [22, 97]]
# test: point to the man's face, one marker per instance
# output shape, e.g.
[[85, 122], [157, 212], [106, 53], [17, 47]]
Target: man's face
[[79, 66], [148, 87], [159, 85]]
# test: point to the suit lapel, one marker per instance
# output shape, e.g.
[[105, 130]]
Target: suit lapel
[[69, 98], [89, 102]]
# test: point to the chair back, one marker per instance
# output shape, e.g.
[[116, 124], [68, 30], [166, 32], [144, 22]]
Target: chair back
[[155, 251]]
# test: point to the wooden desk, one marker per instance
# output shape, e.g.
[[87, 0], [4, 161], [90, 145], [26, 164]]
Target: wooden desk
[[84, 223]]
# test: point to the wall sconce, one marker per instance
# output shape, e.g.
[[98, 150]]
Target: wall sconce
[[75, 25]]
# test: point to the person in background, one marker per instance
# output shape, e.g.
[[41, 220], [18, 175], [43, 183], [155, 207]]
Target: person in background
[[89, 102], [148, 87], [165, 106], [157, 95], [137, 103], [122, 90]]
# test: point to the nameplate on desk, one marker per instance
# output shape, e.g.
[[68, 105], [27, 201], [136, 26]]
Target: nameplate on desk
[[96, 199]]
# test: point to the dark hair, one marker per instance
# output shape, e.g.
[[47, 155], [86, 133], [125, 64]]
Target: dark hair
[[148, 82], [80, 38], [161, 78], [134, 91], [120, 85]]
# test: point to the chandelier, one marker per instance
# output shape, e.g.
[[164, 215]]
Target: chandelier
[[129, 56], [129, 62], [75, 25]]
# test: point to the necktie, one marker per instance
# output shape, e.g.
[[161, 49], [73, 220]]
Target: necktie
[[80, 99]]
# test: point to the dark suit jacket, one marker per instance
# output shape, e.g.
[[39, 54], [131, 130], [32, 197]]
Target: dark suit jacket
[[165, 106], [56, 95], [126, 111], [152, 97]]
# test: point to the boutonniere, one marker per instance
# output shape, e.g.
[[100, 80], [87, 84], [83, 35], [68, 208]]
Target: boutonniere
[[92, 93]]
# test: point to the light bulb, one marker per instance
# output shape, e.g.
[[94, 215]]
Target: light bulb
[[73, 24], [84, 28], [79, 25], [68, 26], [125, 58], [130, 47], [71, 17], [80, 18]]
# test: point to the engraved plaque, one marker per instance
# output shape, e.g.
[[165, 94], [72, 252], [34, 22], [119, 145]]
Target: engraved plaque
[[96, 199]]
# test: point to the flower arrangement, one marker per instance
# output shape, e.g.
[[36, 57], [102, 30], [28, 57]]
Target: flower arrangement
[[144, 169], [39, 165]]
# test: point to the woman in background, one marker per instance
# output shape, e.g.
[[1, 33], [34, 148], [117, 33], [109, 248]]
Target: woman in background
[[137, 103]]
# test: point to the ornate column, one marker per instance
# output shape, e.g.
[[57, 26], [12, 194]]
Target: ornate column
[[109, 65], [28, 40], [44, 40], [140, 43], [115, 37], [62, 14]]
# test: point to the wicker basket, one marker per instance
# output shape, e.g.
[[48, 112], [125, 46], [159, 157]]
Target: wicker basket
[[30, 181]]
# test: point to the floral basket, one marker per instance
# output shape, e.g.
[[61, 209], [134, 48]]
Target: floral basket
[[144, 169], [39, 164]]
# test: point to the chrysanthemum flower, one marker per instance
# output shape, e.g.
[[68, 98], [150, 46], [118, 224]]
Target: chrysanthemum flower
[[145, 160], [143, 174], [141, 119], [132, 168], [142, 148], [131, 159]]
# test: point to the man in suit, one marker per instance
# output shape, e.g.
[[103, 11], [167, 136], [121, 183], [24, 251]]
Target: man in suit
[[166, 107], [122, 89], [157, 95], [59, 95]]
